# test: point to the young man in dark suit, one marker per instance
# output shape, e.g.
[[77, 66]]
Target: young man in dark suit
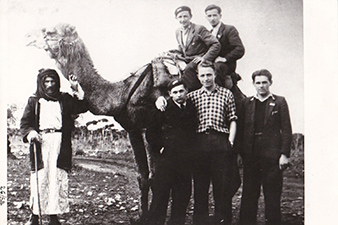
[[265, 141], [232, 47], [172, 131], [195, 44]]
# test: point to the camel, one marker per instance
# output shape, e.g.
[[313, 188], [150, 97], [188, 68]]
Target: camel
[[128, 101]]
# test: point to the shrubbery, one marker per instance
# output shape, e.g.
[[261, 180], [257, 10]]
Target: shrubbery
[[99, 143]]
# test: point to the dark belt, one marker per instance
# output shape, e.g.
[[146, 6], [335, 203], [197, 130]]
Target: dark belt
[[50, 130], [211, 131]]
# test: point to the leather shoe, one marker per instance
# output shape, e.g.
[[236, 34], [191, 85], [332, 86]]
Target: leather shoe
[[54, 220], [33, 220]]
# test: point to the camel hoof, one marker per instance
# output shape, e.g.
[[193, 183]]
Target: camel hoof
[[142, 220], [135, 221]]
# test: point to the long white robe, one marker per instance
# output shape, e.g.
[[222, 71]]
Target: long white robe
[[53, 181]]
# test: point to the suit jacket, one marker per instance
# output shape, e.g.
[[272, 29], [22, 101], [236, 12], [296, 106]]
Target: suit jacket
[[276, 136], [231, 44], [200, 42], [174, 129], [70, 106]]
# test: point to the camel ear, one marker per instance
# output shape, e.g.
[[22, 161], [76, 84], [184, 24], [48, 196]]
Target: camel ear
[[70, 30]]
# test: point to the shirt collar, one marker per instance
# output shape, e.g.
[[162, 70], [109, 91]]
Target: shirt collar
[[262, 100], [185, 30], [204, 90], [179, 105], [214, 30]]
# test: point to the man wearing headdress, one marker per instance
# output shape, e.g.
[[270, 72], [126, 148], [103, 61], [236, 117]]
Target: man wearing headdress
[[46, 124]]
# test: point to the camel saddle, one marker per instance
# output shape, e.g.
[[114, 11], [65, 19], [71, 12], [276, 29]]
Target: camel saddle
[[174, 65]]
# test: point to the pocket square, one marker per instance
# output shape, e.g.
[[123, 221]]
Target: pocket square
[[274, 112]]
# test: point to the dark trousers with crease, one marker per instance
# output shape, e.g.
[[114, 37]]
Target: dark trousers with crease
[[212, 163], [190, 76], [261, 171], [223, 70], [173, 174]]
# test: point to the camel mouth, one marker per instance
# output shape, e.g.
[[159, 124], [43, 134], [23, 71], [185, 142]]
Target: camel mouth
[[37, 40], [31, 43]]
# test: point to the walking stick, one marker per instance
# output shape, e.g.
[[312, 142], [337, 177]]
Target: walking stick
[[37, 180]]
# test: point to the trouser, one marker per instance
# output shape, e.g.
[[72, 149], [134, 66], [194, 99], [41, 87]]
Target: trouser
[[190, 76], [235, 181], [212, 163], [173, 173], [261, 171], [223, 72]]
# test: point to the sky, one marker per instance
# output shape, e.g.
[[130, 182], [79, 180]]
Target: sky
[[122, 36]]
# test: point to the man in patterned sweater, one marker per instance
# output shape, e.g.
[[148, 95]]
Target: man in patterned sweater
[[216, 112]]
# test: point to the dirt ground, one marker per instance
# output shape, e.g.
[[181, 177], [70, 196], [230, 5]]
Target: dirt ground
[[105, 191]]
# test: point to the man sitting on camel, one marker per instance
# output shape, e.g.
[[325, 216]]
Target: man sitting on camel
[[195, 44]]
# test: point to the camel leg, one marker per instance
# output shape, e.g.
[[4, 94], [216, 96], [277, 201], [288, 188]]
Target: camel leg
[[238, 95], [228, 83], [152, 154], [140, 155]]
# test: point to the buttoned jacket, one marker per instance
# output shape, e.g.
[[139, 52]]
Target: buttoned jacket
[[276, 136], [231, 44], [200, 42], [173, 129]]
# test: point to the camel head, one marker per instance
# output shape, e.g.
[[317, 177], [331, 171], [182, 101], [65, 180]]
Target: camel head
[[61, 42]]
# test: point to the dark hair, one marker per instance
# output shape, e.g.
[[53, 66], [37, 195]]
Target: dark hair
[[176, 82], [262, 72], [210, 7], [206, 64]]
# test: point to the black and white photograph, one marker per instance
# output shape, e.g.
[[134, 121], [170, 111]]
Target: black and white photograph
[[161, 112]]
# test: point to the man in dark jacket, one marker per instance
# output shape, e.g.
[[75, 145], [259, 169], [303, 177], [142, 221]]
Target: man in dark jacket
[[265, 140], [47, 123], [195, 44], [232, 47], [174, 132]]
